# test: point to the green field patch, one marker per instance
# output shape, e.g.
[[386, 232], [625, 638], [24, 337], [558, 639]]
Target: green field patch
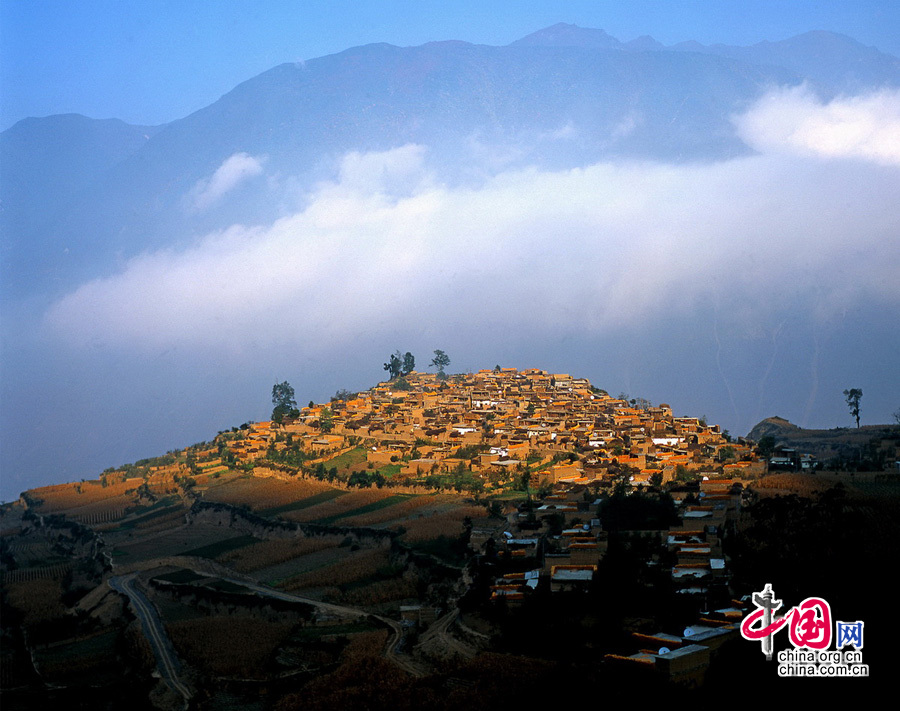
[[81, 661], [314, 500], [389, 470], [162, 507], [313, 633], [280, 583], [348, 459], [509, 495], [386, 572], [368, 508], [180, 577], [277, 573], [158, 504], [883, 488], [227, 586], [449, 549], [213, 550]]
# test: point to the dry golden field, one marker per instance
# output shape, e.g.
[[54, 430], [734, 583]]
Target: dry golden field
[[43, 572], [378, 593], [365, 645], [857, 485], [794, 482], [400, 510], [358, 680], [84, 497], [263, 492], [448, 523], [163, 522], [228, 645], [349, 568], [133, 546], [31, 551], [335, 507], [39, 600]]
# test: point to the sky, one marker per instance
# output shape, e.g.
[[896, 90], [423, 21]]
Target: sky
[[152, 62], [741, 288]]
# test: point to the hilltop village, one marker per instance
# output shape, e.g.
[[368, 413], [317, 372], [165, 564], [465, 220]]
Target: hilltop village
[[440, 537], [564, 443], [495, 423]]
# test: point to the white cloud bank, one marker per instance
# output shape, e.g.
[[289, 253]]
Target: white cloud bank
[[234, 170], [386, 246], [795, 120]]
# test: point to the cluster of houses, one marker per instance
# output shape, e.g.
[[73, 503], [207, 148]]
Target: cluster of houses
[[568, 558], [572, 439], [494, 422]]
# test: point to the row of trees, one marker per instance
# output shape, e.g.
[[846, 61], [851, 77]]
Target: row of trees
[[401, 365]]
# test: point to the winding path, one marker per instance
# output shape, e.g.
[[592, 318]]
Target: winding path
[[439, 633], [166, 659], [396, 630]]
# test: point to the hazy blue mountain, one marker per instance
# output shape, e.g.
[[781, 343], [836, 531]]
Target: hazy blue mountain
[[45, 164], [645, 43], [81, 195], [565, 35], [716, 285], [832, 62]]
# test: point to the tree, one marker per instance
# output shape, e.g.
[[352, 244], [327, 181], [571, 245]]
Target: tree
[[409, 363], [342, 395], [854, 395], [494, 509], [766, 446], [440, 361], [326, 421], [283, 401], [394, 365], [725, 453]]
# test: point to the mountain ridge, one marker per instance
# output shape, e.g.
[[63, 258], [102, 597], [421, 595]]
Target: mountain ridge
[[675, 105]]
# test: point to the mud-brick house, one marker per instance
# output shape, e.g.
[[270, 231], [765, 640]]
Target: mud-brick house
[[565, 578], [326, 443], [384, 455]]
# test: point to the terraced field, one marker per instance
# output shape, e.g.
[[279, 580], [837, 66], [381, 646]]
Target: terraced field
[[262, 493], [350, 504], [128, 547], [280, 574], [268, 557], [306, 503], [67, 663]]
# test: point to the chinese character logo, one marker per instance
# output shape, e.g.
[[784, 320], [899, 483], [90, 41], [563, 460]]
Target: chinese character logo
[[849, 633], [810, 622], [766, 604]]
